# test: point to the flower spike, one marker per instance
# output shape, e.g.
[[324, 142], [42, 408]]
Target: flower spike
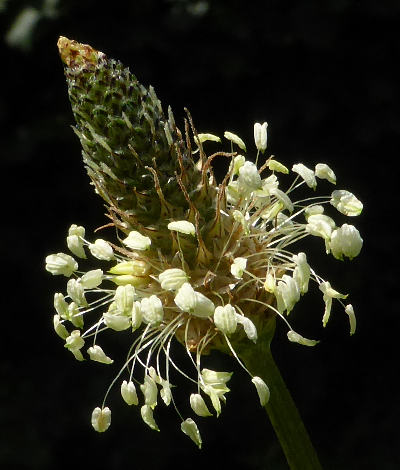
[[208, 264]]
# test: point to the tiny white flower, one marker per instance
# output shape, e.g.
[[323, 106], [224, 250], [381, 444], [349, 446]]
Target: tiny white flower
[[135, 281], [238, 162], [135, 267], [189, 427], [267, 185], [270, 283], [323, 171], [262, 390], [274, 165], [101, 419], [346, 241], [239, 217], [272, 211], [74, 343], [150, 391], [199, 405], [204, 307], [214, 385], [260, 136], [225, 319], [233, 194], [74, 315], [320, 225], [124, 298], [248, 326], [61, 305], [102, 250], [329, 294], [76, 230], [326, 289], [182, 226], [283, 198], [137, 241], [205, 136], [147, 416], [215, 397], [302, 272], [352, 318], [235, 139], [249, 178], [346, 203], [152, 310], [61, 263], [172, 279], [215, 378], [116, 320], [136, 315], [128, 393], [153, 374], [314, 209], [287, 294], [165, 392], [327, 310], [195, 303], [59, 328], [296, 338], [185, 298], [75, 245], [76, 291], [92, 279], [97, 354], [238, 266], [307, 174], [75, 240]]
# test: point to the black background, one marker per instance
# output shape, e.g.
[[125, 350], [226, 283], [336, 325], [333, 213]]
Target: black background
[[323, 74]]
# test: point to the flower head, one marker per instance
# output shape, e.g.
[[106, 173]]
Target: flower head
[[204, 263]]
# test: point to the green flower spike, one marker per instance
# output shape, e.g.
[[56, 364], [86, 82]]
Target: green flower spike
[[135, 155], [208, 264]]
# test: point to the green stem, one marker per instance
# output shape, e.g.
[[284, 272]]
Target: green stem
[[281, 409]]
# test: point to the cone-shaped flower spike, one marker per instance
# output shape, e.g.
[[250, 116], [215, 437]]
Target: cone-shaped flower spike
[[209, 264]]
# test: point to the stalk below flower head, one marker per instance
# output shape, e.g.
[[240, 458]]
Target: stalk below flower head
[[205, 263]]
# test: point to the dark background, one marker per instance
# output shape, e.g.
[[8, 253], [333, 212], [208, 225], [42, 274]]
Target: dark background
[[323, 75]]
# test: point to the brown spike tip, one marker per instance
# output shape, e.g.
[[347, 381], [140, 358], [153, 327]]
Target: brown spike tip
[[75, 54]]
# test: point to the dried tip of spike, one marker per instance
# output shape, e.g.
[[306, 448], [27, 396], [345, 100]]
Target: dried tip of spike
[[75, 54]]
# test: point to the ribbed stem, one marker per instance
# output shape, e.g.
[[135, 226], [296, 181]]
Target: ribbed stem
[[282, 411]]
